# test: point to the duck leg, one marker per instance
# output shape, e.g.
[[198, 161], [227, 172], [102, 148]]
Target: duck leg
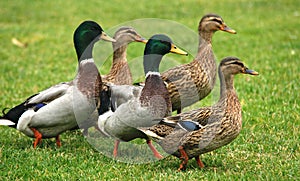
[[153, 149], [38, 137], [58, 143], [116, 147], [184, 157], [199, 162]]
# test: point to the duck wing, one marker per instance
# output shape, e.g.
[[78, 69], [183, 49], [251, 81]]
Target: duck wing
[[49, 94], [200, 116], [121, 94]]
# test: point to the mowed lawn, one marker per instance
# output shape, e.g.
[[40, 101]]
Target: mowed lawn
[[268, 41]]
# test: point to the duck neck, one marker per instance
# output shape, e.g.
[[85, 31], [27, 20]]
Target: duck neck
[[227, 85], [205, 38], [151, 63], [84, 50], [205, 57], [119, 53], [205, 53]]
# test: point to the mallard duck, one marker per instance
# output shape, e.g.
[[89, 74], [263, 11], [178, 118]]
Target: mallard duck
[[120, 72], [145, 104], [191, 82], [190, 134], [49, 113]]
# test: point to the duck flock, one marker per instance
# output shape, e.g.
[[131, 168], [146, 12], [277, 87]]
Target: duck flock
[[123, 111]]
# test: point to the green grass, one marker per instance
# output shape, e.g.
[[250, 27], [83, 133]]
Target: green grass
[[267, 41]]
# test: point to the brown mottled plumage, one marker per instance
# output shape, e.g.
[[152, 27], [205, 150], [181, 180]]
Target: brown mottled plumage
[[192, 82], [193, 133]]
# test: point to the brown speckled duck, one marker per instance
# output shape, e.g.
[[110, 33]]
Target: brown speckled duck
[[190, 134], [189, 83], [147, 104]]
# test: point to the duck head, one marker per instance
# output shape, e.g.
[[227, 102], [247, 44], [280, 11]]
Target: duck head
[[126, 35], [85, 36], [156, 47], [213, 23], [233, 65]]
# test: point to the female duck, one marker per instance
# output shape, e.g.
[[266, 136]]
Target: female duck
[[146, 104], [190, 134], [61, 107], [189, 83]]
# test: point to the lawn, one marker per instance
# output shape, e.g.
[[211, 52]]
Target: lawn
[[268, 41]]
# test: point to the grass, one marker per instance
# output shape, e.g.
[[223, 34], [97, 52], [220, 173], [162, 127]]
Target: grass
[[267, 40]]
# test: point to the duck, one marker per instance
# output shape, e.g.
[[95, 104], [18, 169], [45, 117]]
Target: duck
[[62, 107], [135, 106], [119, 74], [189, 134], [189, 83]]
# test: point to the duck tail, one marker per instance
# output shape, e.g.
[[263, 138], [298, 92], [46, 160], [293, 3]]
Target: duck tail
[[6, 122], [11, 117]]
